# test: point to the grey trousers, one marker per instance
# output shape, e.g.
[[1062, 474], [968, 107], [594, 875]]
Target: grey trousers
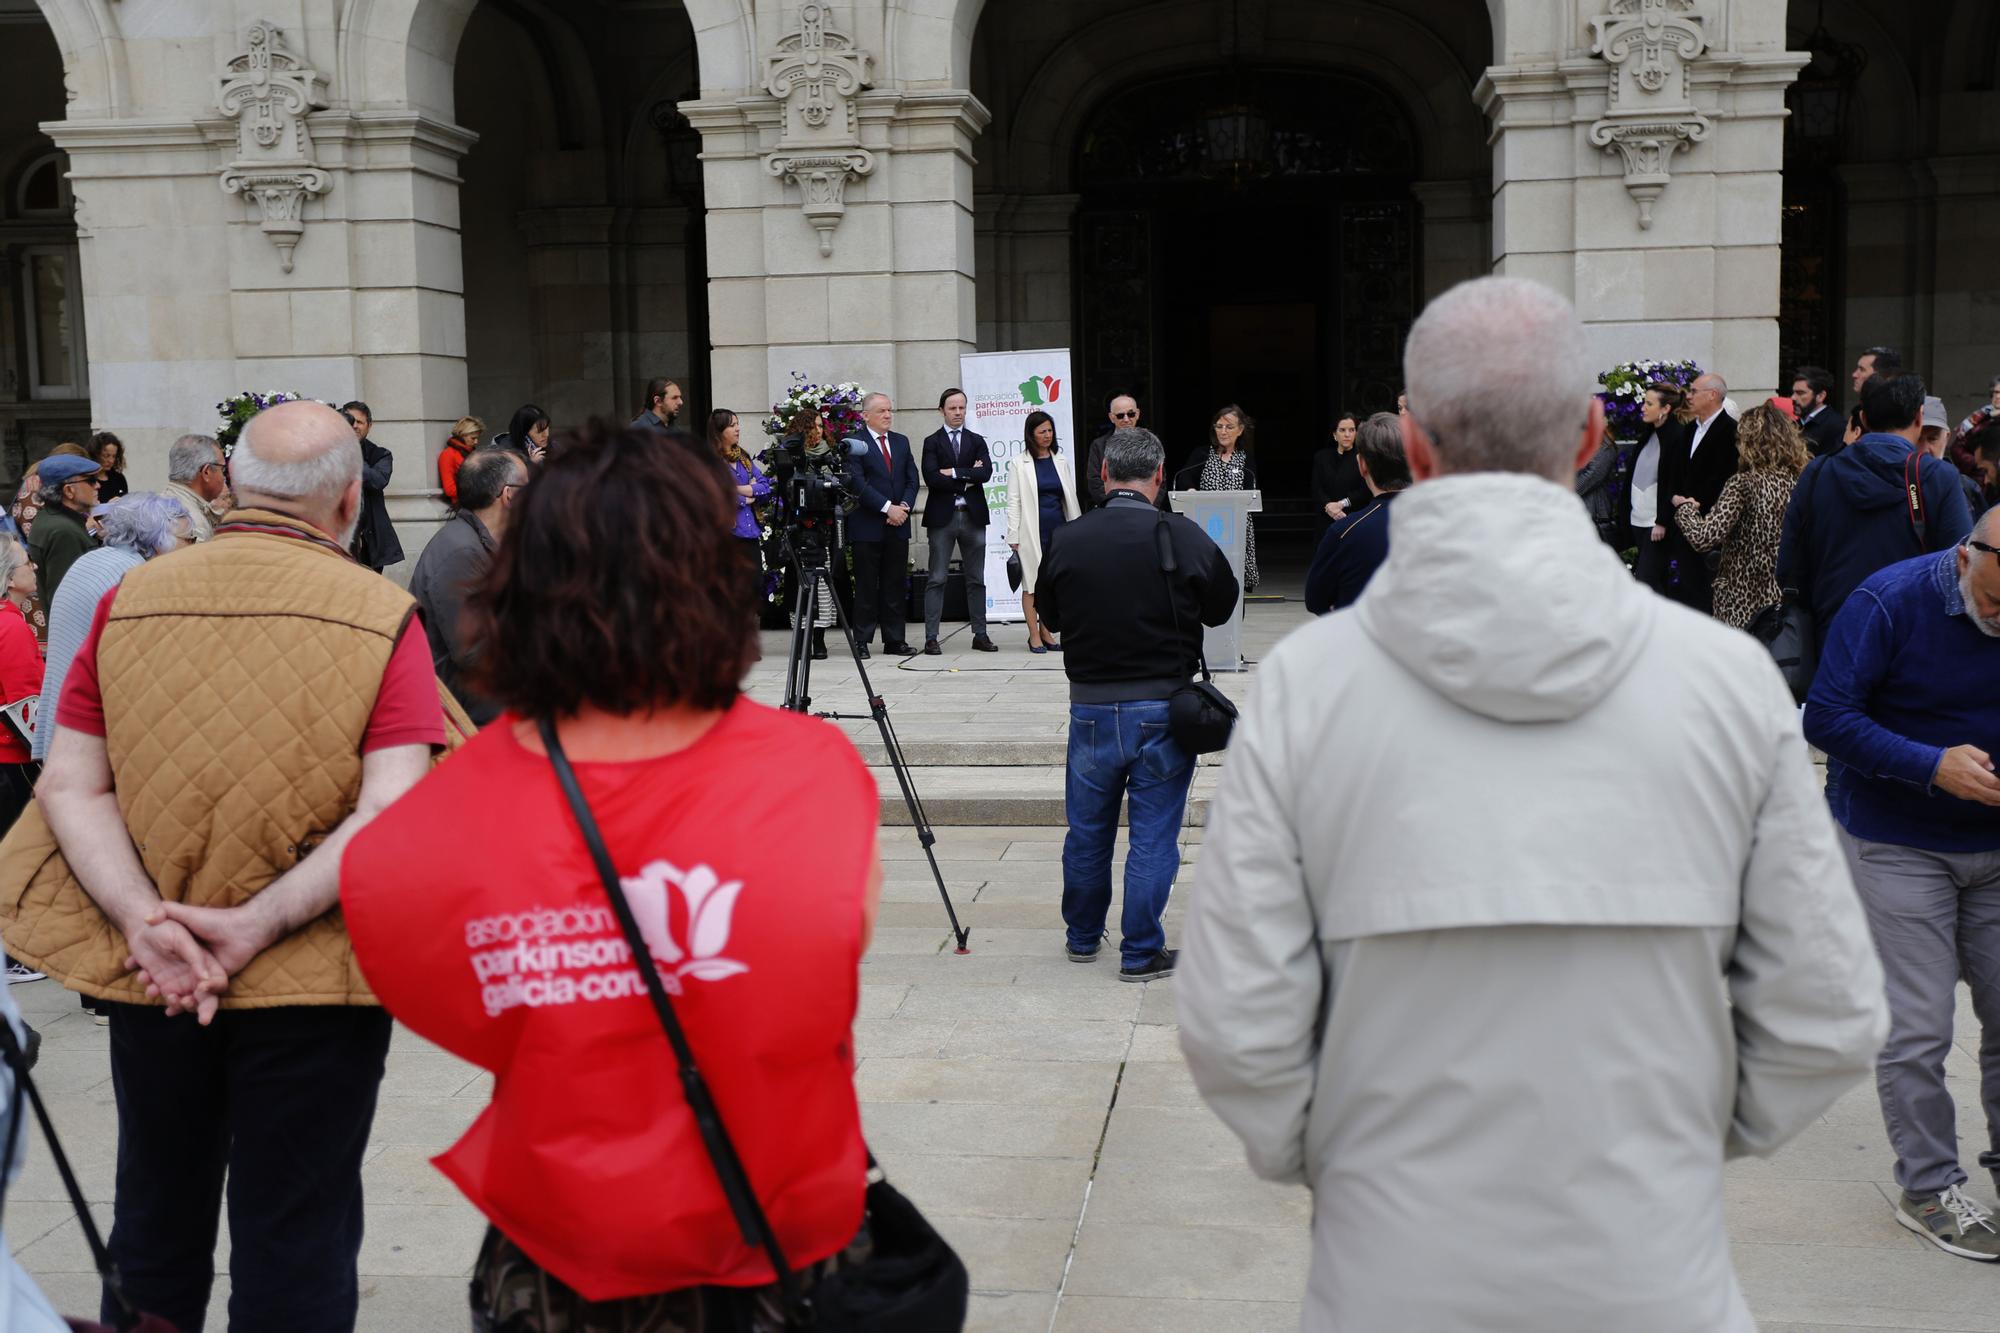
[[1935, 917], [970, 538]]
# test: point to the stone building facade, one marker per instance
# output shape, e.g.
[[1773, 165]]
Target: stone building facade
[[443, 206]]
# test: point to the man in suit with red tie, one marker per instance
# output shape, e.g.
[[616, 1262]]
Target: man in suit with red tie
[[957, 466], [884, 474]]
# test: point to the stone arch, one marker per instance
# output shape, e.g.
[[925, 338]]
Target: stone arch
[[725, 42], [399, 53], [1403, 56], [93, 52], [1885, 121]]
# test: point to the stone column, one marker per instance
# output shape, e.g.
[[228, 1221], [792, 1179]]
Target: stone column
[[1023, 247], [1638, 172], [241, 232], [1456, 244]]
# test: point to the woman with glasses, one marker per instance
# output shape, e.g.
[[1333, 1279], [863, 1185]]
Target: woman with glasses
[[1748, 518], [1225, 466]]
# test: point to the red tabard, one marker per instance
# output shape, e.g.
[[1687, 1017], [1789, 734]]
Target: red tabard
[[481, 924]]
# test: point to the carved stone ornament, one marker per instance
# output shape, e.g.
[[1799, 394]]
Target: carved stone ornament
[[816, 72], [268, 92], [1651, 114]]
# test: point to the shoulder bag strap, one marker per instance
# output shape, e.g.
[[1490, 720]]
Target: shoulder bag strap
[[1163, 542], [750, 1219], [127, 1315], [1913, 491]]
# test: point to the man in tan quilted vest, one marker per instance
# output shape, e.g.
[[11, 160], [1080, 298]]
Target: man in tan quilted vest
[[238, 705]]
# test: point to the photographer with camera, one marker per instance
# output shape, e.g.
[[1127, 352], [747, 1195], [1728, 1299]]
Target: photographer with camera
[[884, 474]]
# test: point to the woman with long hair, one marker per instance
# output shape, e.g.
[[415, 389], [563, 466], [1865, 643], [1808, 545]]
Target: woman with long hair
[[1664, 410], [466, 433], [1041, 497], [109, 451], [725, 437], [1224, 465], [1337, 488], [617, 641], [808, 432], [1748, 518], [527, 434]]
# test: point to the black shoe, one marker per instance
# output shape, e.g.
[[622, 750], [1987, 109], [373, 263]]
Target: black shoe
[[1083, 955], [899, 649], [1157, 968], [931, 648], [982, 644], [819, 645], [863, 651]]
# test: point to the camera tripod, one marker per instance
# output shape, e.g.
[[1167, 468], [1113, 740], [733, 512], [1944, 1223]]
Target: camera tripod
[[811, 575]]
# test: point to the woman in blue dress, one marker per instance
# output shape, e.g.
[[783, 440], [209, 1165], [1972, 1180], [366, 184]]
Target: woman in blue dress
[[1041, 496]]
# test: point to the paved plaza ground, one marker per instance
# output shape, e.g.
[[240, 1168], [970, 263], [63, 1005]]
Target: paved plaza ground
[[1038, 1110]]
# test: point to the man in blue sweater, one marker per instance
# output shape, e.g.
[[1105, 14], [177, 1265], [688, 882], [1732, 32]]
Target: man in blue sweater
[[1875, 502], [1910, 736]]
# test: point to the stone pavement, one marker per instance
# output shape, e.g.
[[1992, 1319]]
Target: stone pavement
[[1038, 1110]]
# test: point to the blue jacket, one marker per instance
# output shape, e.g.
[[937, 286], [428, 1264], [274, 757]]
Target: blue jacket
[[1849, 516], [1348, 556], [1901, 681], [880, 485]]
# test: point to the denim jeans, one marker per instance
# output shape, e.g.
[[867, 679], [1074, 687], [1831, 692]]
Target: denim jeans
[[281, 1099], [1935, 917], [970, 538], [1122, 751]]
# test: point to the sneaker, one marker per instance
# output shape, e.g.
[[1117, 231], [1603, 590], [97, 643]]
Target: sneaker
[[1954, 1223], [1157, 968], [1077, 955], [99, 1017], [20, 972]]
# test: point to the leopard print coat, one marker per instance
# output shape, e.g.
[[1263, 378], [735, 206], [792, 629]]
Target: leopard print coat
[[1747, 521]]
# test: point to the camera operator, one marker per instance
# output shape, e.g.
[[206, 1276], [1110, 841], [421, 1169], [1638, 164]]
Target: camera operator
[[806, 448], [1132, 633], [884, 475]]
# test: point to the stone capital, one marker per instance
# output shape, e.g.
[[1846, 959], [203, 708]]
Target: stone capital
[[268, 92], [1649, 109]]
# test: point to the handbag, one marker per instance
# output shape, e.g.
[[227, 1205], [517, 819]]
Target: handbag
[[1786, 630], [912, 1281], [1200, 717], [128, 1317], [1014, 571]]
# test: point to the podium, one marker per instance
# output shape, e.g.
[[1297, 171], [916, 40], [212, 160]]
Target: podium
[[1225, 517]]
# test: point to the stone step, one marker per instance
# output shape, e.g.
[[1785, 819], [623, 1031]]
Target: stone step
[[971, 795]]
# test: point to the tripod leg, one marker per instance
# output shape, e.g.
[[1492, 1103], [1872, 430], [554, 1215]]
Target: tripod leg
[[798, 666], [878, 708]]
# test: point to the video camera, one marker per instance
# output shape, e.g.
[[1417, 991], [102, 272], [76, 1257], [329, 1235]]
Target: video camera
[[815, 493]]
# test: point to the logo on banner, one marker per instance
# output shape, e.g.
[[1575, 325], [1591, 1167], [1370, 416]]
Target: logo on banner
[[1040, 390]]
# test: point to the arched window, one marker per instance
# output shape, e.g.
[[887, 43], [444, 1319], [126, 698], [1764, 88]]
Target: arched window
[[44, 275], [43, 189]]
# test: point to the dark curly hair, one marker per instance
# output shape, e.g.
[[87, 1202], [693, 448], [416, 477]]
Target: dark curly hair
[[617, 584]]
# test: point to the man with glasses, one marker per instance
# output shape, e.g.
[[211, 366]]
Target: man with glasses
[[197, 478], [1697, 464], [458, 558], [61, 534], [1910, 781], [1123, 411]]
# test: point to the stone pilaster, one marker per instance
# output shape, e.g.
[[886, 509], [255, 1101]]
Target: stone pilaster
[[1023, 245]]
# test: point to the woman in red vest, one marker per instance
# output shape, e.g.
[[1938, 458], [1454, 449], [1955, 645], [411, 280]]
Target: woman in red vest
[[616, 606]]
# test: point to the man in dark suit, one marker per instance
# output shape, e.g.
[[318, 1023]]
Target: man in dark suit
[[957, 466], [1812, 406], [884, 474], [1696, 463]]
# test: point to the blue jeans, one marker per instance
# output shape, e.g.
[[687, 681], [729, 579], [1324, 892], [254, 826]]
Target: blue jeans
[[1122, 751]]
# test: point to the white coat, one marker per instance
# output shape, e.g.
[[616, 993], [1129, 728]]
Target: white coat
[[1024, 509], [1520, 909]]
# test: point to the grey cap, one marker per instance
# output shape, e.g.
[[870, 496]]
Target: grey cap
[[1934, 414]]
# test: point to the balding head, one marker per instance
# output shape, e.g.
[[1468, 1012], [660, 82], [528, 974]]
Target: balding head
[[1979, 574], [300, 458], [1497, 381]]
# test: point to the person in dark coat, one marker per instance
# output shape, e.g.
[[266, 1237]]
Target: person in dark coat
[[1697, 462], [458, 558], [527, 434], [1337, 487], [1355, 547], [1812, 407], [1850, 514], [60, 536], [375, 541]]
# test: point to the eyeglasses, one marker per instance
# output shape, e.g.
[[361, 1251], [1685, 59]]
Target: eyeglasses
[[1125, 416], [1982, 546]]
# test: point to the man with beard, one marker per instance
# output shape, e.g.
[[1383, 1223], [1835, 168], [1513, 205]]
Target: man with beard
[[1911, 783]]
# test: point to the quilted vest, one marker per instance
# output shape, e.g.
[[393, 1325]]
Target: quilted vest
[[238, 677]]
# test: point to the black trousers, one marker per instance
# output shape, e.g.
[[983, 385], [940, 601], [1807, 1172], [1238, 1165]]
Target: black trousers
[[282, 1099], [880, 580], [1651, 568]]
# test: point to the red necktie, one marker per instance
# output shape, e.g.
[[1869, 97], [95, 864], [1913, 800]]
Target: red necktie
[[888, 461]]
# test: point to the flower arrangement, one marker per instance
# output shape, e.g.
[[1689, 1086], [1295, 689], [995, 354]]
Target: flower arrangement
[[1624, 391], [839, 405], [238, 409]]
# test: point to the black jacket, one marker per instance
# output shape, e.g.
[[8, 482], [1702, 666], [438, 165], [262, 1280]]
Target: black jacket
[[456, 559], [1826, 432], [1700, 479], [375, 543], [1337, 476], [971, 470], [1102, 587]]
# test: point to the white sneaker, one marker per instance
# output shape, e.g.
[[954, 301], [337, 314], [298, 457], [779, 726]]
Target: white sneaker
[[19, 972]]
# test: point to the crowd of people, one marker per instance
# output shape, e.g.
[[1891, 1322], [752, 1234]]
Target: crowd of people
[[1491, 660]]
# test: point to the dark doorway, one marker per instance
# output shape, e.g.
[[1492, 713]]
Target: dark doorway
[[1260, 253]]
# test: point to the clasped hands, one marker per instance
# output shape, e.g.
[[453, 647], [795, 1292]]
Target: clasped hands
[[187, 955]]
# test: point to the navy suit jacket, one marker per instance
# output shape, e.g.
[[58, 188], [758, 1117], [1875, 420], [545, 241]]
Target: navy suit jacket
[[879, 484], [1349, 554], [969, 477]]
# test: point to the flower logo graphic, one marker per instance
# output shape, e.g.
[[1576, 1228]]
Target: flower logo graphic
[[710, 906], [1040, 390]]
